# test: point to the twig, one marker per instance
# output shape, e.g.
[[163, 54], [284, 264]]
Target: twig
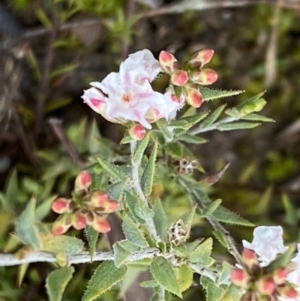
[[11, 260], [65, 141]]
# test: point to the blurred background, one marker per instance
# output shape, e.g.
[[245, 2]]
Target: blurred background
[[50, 51]]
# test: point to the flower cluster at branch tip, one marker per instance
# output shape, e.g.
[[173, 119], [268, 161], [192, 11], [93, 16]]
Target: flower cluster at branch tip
[[85, 208], [257, 278], [127, 95]]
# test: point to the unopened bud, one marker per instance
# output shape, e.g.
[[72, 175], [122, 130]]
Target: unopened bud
[[266, 285], [168, 62], [253, 106], [98, 198], [201, 58], [287, 291], [137, 132], [280, 275], [83, 181], [179, 78], [100, 224], [194, 97], [79, 220], [205, 77], [61, 225], [239, 277], [60, 205], [250, 258]]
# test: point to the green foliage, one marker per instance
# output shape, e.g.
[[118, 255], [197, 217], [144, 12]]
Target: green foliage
[[57, 281], [92, 238], [104, 278], [213, 291]]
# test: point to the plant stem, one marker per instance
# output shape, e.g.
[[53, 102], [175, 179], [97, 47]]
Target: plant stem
[[138, 190]]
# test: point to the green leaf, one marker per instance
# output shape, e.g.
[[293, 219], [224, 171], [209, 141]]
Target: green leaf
[[188, 219], [11, 192], [61, 244], [149, 172], [115, 191], [131, 203], [160, 220], [210, 119], [185, 277], [163, 273], [110, 168], [133, 233], [220, 238], [120, 253], [201, 255], [257, 117], [92, 239], [194, 119], [213, 291], [192, 139], [57, 281], [149, 284], [26, 228], [212, 94], [237, 126], [64, 69], [174, 149], [104, 278], [225, 273], [212, 207], [137, 158], [222, 214]]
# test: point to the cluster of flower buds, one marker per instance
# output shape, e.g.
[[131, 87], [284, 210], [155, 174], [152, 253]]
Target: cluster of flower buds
[[260, 284], [85, 208], [187, 78]]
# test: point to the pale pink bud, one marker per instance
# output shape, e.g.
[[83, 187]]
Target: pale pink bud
[[79, 220], [201, 58], [137, 132], [60, 205], [111, 206], [250, 258], [83, 181], [61, 225], [266, 285], [239, 277], [288, 291], [168, 61], [98, 198], [194, 97], [205, 77], [179, 78], [280, 275], [100, 224]]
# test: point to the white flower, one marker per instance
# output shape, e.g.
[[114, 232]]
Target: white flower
[[267, 243]]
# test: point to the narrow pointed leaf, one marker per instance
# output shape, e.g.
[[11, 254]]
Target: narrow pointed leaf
[[110, 168], [212, 94], [163, 273], [192, 139], [120, 254], [220, 238], [194, 119], [174, 149], [26, 228], [137, 158], [213, 291], [210, 119], [149, 172], [188, 219], [104, 278], [131, 203], [92, 239], [133, 233], [201, 255], [257, 117], [237, 126], [160, 220], [57, 281], [212, 207]]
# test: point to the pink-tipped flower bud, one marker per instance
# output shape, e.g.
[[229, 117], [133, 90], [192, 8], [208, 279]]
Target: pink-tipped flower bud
[[61, 225], [194, 97], [83, 181], [200, 58], [179, 78], [239, 277], [137, 132], [99, 199], [100, 224], [205, 77], [79, 220], [111, 206], [60, 205], [280, 275], [168, 62], [266, 285], [250, 258], [287, 291]]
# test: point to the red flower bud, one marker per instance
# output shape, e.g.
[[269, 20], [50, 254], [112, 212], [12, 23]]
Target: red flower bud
[[61, 225], [205, 77], [201, 57], [100, 224], [111, 206], [179, 78], [137, 132], [83, 181], [287, 291], [60, 205], [194, 97], [98, 198], [280, 275], [239, 277], [79, 220], [266, 285], [168, 61], [250, 258]]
